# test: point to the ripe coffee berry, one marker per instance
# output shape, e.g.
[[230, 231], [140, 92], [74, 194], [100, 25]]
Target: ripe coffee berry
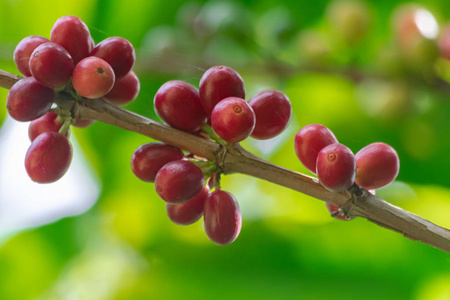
[[147, 159], [28, 100], [190, 211], [73, 34], [334, 211], [218, 83], [23, 52], [309, 141], [179, 181], [222, 217], [233, 119], [118, 52], [48, 122], [93, 77], [51, 65], [48, 157], [272, 111], [178, 104], [336, 167], [377, 165], [125, 89]]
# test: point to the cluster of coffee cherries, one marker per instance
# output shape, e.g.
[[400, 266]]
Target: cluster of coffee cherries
[[337, 168], [218, 111], [68, 63]]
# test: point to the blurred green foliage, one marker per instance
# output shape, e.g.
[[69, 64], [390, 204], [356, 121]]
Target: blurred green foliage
[[289, 248]]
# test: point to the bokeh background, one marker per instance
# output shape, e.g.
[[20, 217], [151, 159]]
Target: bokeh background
[[367, 70]]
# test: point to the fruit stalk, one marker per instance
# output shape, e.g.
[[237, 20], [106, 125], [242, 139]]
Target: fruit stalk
[[234, 159]]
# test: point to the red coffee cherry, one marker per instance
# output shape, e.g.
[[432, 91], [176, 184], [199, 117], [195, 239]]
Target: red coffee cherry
[[48, 157], [23, 52], [190, 211], [222, 217], [336, 167], [377, 165], [309, 141], [83, 123], [334, 209], [218, 83], [118, 52], [73, 34], [147, 159], [272, 111], [51, 65], [28, 100], [48, 122], [178, 104], [444, 42], [93, 77], [233, 119], [125, 89], [179, 181]]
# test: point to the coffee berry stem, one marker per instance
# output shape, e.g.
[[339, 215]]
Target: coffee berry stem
[[233, 158]]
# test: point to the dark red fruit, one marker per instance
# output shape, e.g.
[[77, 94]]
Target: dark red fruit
[[222, 217], [178, 104], [218, 83], [273, 112], [334, 211], [233, 119], [336, 167], [147, 159], [83, 123], [51, 65], [309, 141], [93, 77], [179, 181], [377, 165], [118, 52], [48, 122], [125, 89], [28, 100], [73, 34], [190, 211], [48, 157], [23, 52]]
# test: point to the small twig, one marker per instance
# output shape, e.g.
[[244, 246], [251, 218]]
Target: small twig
[[235, 159]]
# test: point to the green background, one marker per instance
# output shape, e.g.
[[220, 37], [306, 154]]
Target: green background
[[125, 247]]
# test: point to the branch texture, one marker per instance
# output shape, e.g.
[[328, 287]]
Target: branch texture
[[234, 159]]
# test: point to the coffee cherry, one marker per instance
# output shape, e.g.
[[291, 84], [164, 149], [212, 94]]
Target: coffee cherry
[[350, 19], [147, 159], [51, 65], [222, 217], [48, 157], [218, 83], [125, 89], [444, 42], [28, 100], [118, 52], [233, 119], [334, 211], [272, 111], [93, 77], [23, 52], [190, 211], [83, 123], [179, 181], [309, 141], [73, 34], [377, 165], [48, 122], [178, 104], [336, 167]]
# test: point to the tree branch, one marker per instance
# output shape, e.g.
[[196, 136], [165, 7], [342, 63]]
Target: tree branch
[[234, 159]]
